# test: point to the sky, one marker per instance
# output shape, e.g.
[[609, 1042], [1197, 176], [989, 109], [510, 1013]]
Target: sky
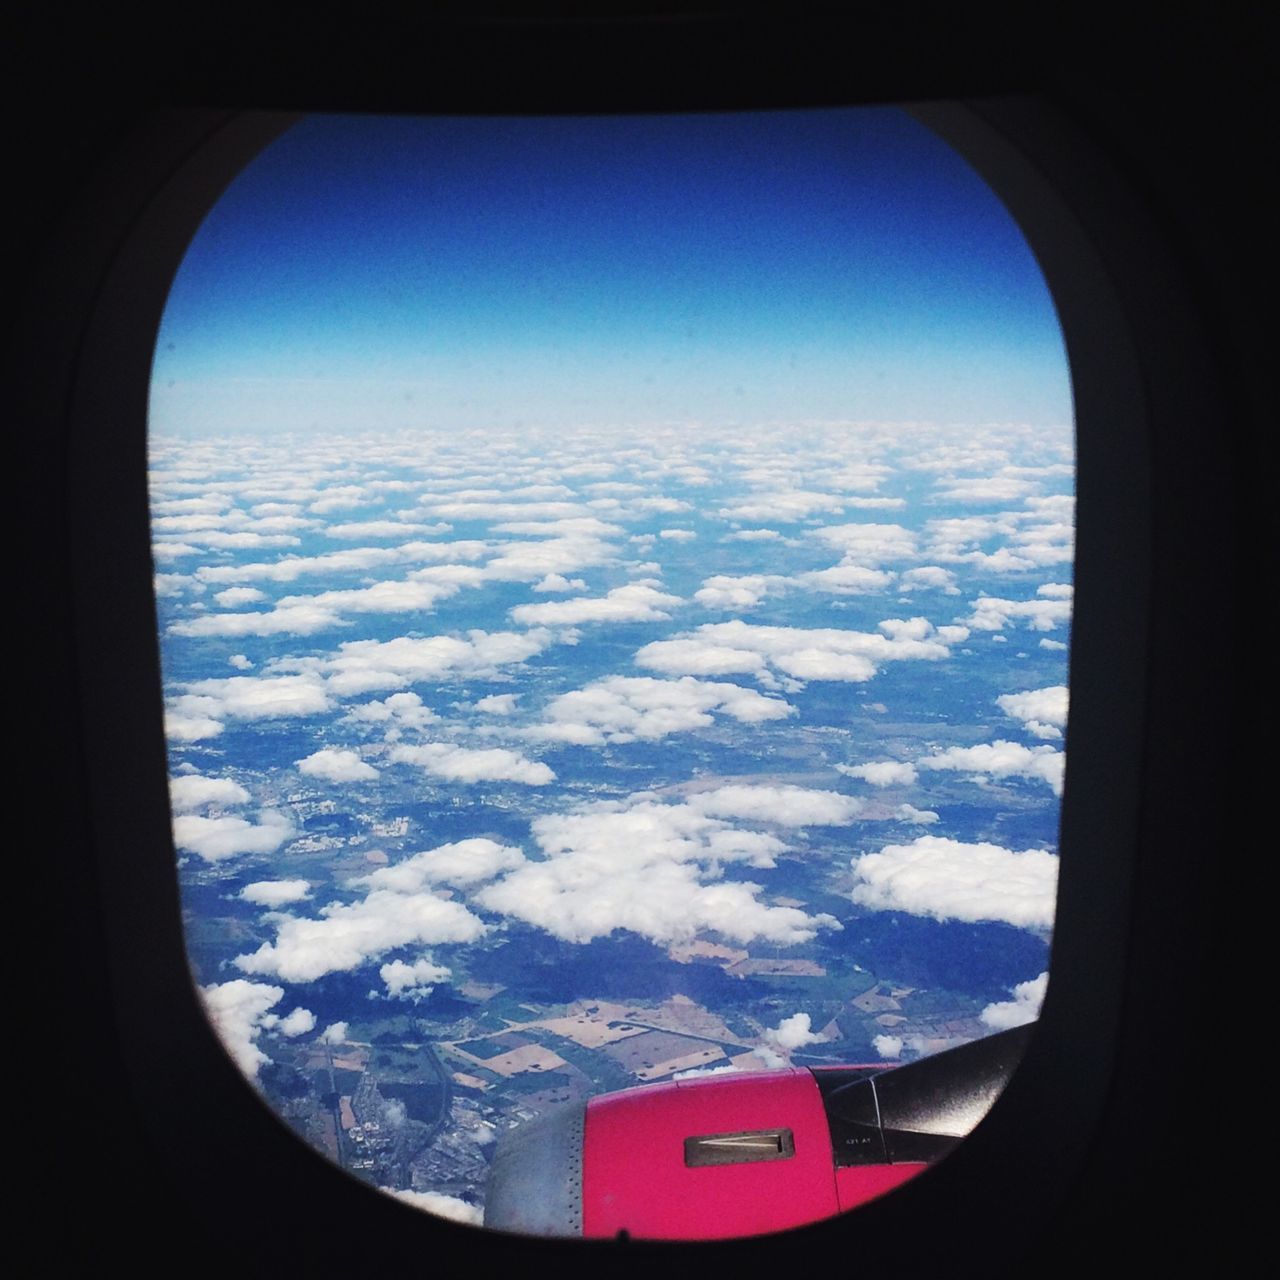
[[441, 273]]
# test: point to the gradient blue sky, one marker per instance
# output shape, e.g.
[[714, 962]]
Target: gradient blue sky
[[391, 273]]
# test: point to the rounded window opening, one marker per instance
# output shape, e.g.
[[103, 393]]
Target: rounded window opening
[[614, 580]]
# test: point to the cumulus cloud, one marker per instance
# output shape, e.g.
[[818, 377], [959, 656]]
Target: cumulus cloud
[[725, 648], [233, 597], [330, 764], [256, 697], [347, 936], [441, 1205], [298, 1023], [558, 582], [626, 708], [652, 868], [792, 1033], [948, 880], [881, 773], [1043, 711], [991, 613], [888, 1046], [1023, 1008], [467, 764], [1002, 759], [241, 662], [276, 893], [498, 704], [636, 602], [785, 506], [192, 791], [929, 578], [217, 838], [363, 666], [412, 981], [869, 544], [397, 711], [462, 863], [238, 1011], [334, 1033], [779, 805]]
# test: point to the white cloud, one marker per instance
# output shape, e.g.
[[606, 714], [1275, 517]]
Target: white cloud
[[780, 805], [888, 1046], [991, 613], [334, 1033], [217, 838], [753, 535], [1043, 711], [1023, 1008], [334, 765], [257, 697], [785, 506], [238, 1011], [793, 1033], [869, 544], [881, 773], [241, 662], [744, 591], [819, 654], [232, 597], [930, 578], [399, 710], [412, 981], [1002, 759], [276, 893], [298, 1023], [625, 708], [441, 1205], [1052, 644], [362, 666], [558, 582], [349, 935], [462, 864], [190, 728], [921, 817], [636, 602], [498, 704], [948, 880], [465, 764], [192, 792], [649, 867], [677, 535]]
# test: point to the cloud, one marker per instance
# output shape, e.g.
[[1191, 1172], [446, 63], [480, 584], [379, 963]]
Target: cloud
[[334, 1033], [649, 867], [820, 654], [234, 596], [792, 1033], [190, 728], [627, 708], [920, 817], [349, 935], [465, 764], [1023, 1008], [498, 704], [1002, 759], [1052, 644], [463, 863], [298, 1023], [785, 506], [441, 1205], [888, 1046], [256, 697], [412, 981], [881, 773], [276, 893], [398, 711], [869, 544], [558, 582], [947, 880], [929, 578], [1043, 711], [217, 838], [238, 1010], [780, 805], [745, 591], [636, 602], [753, 535], [241, 662], [991, 613], [191, 792], [333, 765], [362, 666]]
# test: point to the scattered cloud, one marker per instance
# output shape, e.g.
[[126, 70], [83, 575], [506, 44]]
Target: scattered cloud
[[881, 773], [1023, 1008], [276, 893], [192, 791], [331, 764], [636, 602], [1043, 711], [467, 764], [237, 1011], [1002, 759], [949, 880], [217, 838]]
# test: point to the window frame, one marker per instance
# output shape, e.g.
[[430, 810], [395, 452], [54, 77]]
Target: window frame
[[1144, 383]]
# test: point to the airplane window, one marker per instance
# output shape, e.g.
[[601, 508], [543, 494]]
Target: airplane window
[[614, 588]]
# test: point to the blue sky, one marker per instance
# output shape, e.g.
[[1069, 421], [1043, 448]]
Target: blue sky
[[405, 273]]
